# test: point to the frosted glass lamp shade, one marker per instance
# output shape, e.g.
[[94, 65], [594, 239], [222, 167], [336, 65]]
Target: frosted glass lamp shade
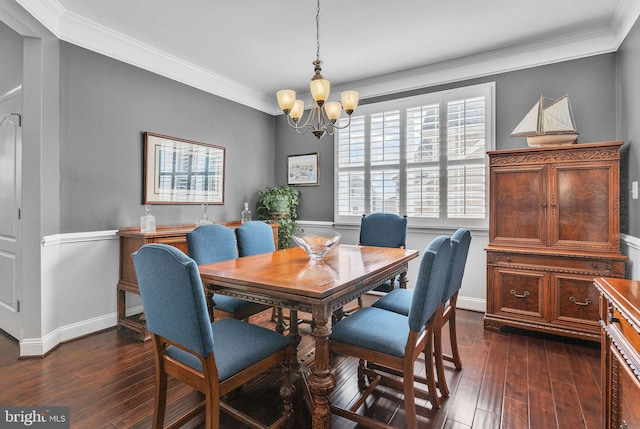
[[286, 99], [320, 89], [349, 100], [333, 110], [298, 109]]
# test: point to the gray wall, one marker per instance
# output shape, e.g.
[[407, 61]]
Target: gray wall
[[629, 127], [590, 83], [107, 105]]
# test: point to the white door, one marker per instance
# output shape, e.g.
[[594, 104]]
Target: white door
[[10, 206]]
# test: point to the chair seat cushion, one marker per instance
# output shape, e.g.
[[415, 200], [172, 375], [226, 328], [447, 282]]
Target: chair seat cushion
[[233, 305], [398, 301], [236, 346], [374, 329]]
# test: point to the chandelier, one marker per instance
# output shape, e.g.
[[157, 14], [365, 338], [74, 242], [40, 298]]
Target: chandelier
[[324, 115]]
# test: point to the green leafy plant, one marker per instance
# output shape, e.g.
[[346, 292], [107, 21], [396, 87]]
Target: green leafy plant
[[279, 204]]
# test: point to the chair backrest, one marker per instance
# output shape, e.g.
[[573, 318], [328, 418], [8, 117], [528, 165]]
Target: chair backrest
[[383, 230], [430, 282], [254, 238], [211, 243], [460, 242], [173, 297]]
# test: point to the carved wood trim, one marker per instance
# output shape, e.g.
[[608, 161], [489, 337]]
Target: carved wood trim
[[603, 154], [496, 324]]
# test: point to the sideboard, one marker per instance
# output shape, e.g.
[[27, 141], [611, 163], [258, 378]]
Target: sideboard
[[131, 239], [620, 322]]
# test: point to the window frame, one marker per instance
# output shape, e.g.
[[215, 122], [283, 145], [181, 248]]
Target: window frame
[[487, 90]]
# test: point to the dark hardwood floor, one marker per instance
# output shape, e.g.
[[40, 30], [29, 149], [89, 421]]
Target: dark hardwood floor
[[509, 380]]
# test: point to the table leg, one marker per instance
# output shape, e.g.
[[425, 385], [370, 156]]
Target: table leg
[[294, 337], [403, 280], [321, 381]]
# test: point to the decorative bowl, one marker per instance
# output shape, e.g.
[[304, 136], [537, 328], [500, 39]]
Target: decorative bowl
[[316, 245]]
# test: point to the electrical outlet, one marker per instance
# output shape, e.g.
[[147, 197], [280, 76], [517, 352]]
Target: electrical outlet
[[634, 190]]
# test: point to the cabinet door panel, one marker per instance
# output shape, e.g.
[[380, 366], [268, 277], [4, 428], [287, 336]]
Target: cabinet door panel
[[521, 292], [575, 300], [518, 206], [582, 212]]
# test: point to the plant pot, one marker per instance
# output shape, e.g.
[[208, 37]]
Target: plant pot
[[280, 205]]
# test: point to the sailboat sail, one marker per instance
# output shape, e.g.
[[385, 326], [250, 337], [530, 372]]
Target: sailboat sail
[[530, 124], [557, 118], [552, 124]]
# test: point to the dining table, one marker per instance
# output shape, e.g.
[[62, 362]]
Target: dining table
[[289, 278]]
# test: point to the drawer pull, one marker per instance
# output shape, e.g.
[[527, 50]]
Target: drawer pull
[[508, 258], [623, 425], [524, 295], [594, 266], [586, 301]]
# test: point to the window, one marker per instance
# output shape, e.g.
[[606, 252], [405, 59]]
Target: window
[[423, 156]]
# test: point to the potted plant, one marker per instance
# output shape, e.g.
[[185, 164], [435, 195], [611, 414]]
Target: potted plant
[[279, 204]]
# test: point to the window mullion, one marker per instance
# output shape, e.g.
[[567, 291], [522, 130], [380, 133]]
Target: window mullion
[[367, 163], [402, 207], [442, 160]]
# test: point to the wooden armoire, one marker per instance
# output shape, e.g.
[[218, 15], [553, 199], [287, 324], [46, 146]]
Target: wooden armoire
[[554, 227]]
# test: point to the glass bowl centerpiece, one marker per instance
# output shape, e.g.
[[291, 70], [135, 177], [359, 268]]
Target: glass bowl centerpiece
[[316, 245]]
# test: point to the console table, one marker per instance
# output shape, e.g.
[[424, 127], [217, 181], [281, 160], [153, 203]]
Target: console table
[[131, 239], [620, 322]]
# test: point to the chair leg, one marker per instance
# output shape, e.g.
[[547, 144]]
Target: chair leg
[[454, 341], [429, 372], [409, 397], [160, 401], [437, 345], [212, 415]]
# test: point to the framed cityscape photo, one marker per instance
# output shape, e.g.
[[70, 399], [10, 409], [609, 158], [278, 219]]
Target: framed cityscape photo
[[304, 170]]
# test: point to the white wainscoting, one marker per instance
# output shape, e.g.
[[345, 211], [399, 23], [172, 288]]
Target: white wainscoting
[[78, 290], [631, 248], [80, 273]]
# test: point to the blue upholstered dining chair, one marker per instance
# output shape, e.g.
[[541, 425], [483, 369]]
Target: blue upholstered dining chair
[[255, 238], [396, 341], [213, 243], [213, 358], [399, 301], [383, 230]]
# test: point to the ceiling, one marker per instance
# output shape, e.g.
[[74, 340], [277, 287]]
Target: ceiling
[[245, 50]]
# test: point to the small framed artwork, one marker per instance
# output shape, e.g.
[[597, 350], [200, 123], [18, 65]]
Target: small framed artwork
[[303, 170], [179, 171]]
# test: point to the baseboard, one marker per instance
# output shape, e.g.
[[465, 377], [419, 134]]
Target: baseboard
[[472, 304], [38, 347]]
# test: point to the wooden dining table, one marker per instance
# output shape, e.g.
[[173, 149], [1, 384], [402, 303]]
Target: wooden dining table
[[288, 278]]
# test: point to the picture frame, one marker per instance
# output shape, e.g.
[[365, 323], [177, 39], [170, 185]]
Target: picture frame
[[180, 171], [303, 169]]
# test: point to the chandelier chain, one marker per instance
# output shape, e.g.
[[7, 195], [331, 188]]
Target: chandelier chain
[[318, 31]]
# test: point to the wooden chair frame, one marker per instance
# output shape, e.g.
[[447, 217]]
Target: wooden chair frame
[[207, 383], [377, 368]]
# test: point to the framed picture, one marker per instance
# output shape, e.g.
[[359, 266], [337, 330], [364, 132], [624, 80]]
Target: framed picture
[[179, 171], [303, 169]]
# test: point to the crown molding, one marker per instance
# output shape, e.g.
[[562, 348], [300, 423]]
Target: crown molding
[[88, 34], [625, 15]]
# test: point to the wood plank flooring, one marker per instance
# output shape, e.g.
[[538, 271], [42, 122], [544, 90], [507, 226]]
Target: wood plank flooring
[[509, 380]]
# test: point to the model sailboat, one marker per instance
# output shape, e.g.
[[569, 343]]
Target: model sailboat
[[548, 125]]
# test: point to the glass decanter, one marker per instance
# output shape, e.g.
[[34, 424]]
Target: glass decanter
[[204, 220], [245, 216], [148, 221]]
